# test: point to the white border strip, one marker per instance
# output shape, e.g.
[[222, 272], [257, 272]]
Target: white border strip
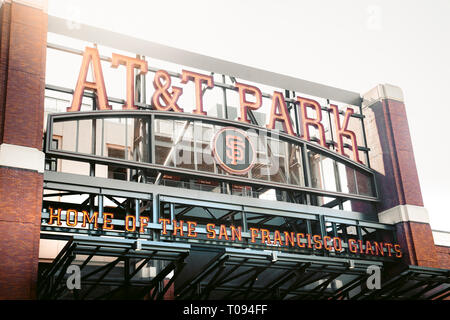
[[22, 157], [404, 213], [441, 238], [381, 92]]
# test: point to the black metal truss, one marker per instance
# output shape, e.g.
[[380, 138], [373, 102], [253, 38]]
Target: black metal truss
[[80, 250], [160, 169], [232, 274], [417, 283], [242, 274], [128, 198], [229, 274], [235, 273]]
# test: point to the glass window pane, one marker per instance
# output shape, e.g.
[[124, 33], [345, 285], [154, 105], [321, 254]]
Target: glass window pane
[[204, 159], [164, 130], [328, 172], [315, 169], [184, 148], [364, 184], [277, 156], [295, 165], [68, 131]]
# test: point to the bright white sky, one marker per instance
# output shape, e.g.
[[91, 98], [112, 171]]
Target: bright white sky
[[350, 44]]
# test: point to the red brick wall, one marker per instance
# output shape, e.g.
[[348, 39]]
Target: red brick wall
[[392, 156], [24, 38], [417, 243], [5, 12], [443, 254], [407, 176], [398, 182], [22, 75], [20, 206]]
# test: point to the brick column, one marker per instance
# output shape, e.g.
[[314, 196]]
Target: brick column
[[23, 27], [442, 243], [392, 157]]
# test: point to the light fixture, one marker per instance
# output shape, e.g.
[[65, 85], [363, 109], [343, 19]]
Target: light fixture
[[351, 264], [274, 256], [138, 245]]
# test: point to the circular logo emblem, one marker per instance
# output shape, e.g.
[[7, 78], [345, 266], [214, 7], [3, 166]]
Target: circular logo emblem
[[233, 150]]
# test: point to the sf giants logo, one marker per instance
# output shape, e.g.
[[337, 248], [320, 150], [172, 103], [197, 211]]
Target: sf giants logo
[[233, 150]]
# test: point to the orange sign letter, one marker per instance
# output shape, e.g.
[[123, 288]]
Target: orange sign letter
[[306, 121], [283, 116], [342, 131], [169, 99], [248, 89], [198, 78], [98, 86], [130, 63]]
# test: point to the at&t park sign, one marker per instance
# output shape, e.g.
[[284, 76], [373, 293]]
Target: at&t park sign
[[232, 150], [165, 98]]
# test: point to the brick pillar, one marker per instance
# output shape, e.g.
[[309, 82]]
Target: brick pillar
[[23, 26], [392, 157], [442, 243]]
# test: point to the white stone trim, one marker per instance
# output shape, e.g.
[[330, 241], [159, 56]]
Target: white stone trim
[[441, 238], [380, 92], [404, 213], [22, 157]]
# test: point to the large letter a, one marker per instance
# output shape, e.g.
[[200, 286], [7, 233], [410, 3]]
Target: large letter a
[[90, 56]]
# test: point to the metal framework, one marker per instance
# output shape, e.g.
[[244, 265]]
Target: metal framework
[[112, 262], [307, 87], [126, 257], [232, 273], [412, 283], [250, 274], [157, 201], [226, 273], [152, 166], [243, 274], [289, 193]]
